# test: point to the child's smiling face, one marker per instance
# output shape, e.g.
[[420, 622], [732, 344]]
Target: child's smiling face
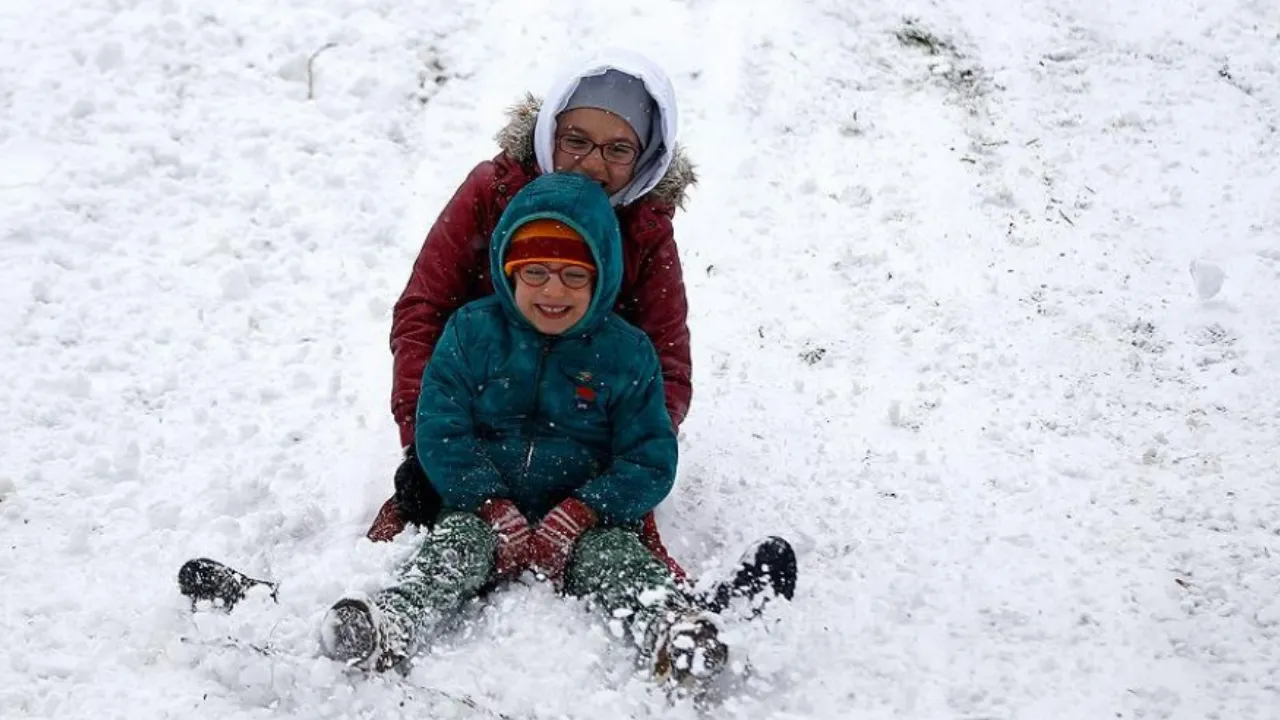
[[606, 135], [546, 299]]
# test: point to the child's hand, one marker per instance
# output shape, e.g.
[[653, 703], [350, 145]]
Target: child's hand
[[512, 555], [552, 543], [416, 498]]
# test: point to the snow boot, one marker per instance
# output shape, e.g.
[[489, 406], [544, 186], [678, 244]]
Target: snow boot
[[205, 579], [352, 632], [766, 570], [688, 653]]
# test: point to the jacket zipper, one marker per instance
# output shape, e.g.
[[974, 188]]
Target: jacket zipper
[[530, 429]]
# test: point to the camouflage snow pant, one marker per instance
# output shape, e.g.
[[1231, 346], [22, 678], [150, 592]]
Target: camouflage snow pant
[[610, 566]]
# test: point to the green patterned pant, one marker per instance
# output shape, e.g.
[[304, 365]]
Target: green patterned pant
[[610, 567]]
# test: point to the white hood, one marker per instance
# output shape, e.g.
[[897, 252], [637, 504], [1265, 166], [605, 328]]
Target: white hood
[[652, 165]]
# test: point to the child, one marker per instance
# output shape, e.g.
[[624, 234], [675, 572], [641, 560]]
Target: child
[[542, 425], [613, 119]]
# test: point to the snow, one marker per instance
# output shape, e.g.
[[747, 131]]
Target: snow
[[945, 340], [1208, 278]]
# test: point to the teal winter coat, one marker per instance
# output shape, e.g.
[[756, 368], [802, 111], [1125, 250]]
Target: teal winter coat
[[508, 412]]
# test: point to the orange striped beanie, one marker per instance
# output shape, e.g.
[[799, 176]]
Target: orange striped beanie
[[547, 241]]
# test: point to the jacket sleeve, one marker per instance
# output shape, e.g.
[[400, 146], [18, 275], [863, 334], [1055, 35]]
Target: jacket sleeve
[[454, 461], [644, 450], [658, 306], [442, 277]]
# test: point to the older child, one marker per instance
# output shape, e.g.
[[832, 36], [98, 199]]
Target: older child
[[613, 119], [542, 425]]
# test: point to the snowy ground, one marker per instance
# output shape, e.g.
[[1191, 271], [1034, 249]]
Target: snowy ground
[[946, 339]]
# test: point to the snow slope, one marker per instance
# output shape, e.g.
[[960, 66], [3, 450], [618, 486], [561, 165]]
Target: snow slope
[[946, 339]]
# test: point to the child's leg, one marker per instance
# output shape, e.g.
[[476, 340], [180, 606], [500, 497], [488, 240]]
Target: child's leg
[[680, 643], [613, 567], [449, 567]]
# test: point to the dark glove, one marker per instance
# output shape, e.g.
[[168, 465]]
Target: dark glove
[[416, 497], [553, 542], [512, 555]]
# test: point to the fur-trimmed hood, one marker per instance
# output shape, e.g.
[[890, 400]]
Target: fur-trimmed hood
[[516, 139]]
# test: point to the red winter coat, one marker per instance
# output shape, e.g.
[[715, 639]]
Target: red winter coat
[[452, 269]]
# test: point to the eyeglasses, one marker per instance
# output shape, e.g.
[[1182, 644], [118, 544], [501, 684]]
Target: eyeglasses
[[573, 277], [615, 153]]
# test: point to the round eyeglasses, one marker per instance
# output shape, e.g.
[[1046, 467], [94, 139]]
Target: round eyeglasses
[[573, 277]]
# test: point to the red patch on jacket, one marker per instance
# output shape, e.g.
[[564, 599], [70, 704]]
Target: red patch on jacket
[[584, 397]]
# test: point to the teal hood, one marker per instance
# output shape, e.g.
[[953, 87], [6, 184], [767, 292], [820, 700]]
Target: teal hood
[[580, 203]]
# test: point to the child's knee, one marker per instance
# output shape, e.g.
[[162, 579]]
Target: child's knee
[[616, 563], [463, 523], [613, 543], [462, 530], [610, 554]]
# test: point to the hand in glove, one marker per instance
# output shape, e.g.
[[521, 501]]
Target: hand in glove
[[512, 555], [416, 497], [553, 542]]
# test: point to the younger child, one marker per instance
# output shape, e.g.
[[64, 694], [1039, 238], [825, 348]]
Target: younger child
[[543, 426]]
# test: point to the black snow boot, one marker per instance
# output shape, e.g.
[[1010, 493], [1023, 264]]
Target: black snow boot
[[766, 570], [205, 579]]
